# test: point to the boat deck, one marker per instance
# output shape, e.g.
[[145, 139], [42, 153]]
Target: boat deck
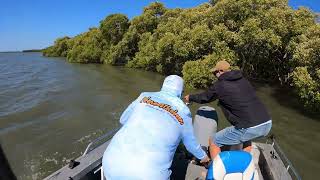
[[268, 166], [270, 162]]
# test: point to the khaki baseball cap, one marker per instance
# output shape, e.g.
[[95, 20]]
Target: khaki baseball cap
[[221, 65]]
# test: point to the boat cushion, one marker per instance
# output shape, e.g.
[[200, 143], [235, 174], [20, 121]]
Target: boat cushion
[[231, 162]]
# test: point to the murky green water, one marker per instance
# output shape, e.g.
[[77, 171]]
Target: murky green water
[[50, 110]]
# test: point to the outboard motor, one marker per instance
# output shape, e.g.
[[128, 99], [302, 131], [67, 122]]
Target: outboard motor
[[205, 124]]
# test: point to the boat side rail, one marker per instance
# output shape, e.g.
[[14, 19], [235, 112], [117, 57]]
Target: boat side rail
[[93, 144], [289, 166]]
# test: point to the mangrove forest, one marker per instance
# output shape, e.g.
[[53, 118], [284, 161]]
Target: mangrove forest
[[266, 39]]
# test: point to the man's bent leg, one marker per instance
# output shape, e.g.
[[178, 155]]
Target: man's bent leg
[[256, 132], [213, 149], [228, 136]]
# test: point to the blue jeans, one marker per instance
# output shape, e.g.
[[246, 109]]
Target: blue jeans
[[233, 136]]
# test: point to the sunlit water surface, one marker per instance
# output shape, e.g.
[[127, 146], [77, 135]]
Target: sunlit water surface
[[50, 110]]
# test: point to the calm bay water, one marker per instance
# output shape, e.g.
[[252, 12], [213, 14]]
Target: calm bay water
[[50, 110]]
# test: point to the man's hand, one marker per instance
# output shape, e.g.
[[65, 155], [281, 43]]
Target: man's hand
[[205, 162], [186, 98]]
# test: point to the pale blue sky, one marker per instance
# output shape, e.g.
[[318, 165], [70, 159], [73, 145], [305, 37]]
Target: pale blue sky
[[35, 24]]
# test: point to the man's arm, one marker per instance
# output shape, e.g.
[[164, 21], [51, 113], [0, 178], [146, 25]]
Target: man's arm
[[205, 97], [190, 141]]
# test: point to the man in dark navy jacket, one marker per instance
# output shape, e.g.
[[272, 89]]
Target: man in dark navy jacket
[[240, 105]]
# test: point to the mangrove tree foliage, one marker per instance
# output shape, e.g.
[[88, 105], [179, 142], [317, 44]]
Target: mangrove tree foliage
[[87, 47], [60, 48], [114, 27], [267, 40]]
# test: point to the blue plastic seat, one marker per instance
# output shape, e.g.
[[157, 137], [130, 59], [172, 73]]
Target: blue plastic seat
[[232, 165]]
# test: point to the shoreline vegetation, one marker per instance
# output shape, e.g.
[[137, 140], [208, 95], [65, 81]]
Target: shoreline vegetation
[[32, 50], [267, 40]]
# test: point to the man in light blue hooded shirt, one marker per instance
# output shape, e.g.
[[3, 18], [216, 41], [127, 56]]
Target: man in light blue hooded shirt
[[153, 126]]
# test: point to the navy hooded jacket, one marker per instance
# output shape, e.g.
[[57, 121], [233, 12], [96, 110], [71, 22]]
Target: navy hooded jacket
[[237, 99]]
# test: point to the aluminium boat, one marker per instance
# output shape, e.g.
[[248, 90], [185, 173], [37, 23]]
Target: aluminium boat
[[270, 162]]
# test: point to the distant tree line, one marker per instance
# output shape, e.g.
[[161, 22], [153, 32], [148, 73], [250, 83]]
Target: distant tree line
[[266, 39], [32, 50]]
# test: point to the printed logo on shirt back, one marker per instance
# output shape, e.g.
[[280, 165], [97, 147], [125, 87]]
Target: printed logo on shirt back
[[163, 106]]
